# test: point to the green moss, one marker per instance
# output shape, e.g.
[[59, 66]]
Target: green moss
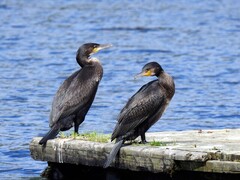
[[151, 143], [100, 137], [62, 135], [157, 143], [94, 136], [88, 136]]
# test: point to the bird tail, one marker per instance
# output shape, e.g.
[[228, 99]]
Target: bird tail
[[113, 153], [50, 135]]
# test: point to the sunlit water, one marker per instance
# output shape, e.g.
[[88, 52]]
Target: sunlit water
[[197, 42]]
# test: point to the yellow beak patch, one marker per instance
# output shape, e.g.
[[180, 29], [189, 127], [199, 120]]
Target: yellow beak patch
[[147, 73], [95, 50]]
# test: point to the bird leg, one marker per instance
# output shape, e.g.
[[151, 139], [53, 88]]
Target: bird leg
[[75, 134], [143, 139]]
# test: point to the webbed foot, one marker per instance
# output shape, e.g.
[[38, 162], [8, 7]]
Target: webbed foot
[[143, 142], [75, 134]]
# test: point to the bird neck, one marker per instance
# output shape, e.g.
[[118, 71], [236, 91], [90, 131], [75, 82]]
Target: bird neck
[[168, 83], [82, 60], [96, 68]]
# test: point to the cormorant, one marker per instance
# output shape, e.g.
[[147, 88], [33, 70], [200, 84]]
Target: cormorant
[[143, 109], [75, 96]]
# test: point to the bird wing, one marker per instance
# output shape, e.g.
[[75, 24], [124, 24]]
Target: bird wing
[[74, 94], [58, 98], [140, 107]]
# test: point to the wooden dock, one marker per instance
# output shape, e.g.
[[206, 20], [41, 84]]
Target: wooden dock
[[214, 151]]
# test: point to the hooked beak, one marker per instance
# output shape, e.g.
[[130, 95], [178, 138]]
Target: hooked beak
[[104, 46], [138, 75], [101, 46]]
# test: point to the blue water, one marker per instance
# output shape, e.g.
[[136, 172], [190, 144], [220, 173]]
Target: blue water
[[197, 42]]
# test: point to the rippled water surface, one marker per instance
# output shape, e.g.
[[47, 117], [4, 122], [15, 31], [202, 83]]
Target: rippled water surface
[[197, 42]]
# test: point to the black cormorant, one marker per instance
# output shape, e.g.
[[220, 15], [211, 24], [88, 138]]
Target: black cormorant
[[143, 109], [75, 96]]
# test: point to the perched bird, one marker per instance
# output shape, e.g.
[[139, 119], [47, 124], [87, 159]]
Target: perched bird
[[75, 96], [143, 109]]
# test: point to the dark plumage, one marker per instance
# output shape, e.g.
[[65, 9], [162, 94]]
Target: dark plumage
[[143, 109], [75, 96]]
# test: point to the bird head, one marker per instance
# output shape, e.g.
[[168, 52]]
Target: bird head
[[88, 49], [150, 69], [91, 48]]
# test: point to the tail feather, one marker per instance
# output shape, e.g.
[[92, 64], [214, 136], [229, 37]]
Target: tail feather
[[113, 153], [50, 135]]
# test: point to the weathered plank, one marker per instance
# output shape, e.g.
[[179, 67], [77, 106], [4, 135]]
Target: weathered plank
[[205, 151]]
